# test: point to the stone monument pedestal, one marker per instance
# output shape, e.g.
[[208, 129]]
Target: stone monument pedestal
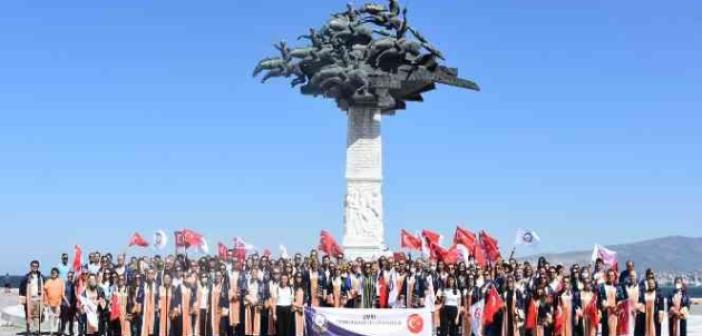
[[363, 205]]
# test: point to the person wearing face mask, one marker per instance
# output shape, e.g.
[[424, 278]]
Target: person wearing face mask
[[587, 300], [298, 306], [513, 313], [471, 295], [651, 309], [93, 303], [678, 309], [408, 296], [354, 285], [236, 284]]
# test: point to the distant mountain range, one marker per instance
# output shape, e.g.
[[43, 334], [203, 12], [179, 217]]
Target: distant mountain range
[[668, 254]]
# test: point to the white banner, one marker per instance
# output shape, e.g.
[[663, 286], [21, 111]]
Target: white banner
[[368, 322]]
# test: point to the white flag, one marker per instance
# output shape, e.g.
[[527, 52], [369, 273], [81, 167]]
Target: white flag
[[203, 247], [526, 237], [464, 252], [608, 256], [476, 313], [283, 252], [160, 240], [90, 311]]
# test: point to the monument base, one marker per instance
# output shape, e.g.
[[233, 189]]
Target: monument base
[[366, 252]]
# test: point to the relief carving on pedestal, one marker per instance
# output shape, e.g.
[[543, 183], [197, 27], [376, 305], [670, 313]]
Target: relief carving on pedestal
[[364, 212]]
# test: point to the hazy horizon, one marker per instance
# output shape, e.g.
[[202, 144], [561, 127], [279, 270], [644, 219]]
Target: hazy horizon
[[121, 116]]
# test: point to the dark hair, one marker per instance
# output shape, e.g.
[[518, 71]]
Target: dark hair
[[55, 270]]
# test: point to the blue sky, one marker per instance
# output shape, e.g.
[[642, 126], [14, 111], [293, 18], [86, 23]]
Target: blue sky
[[122, 116]]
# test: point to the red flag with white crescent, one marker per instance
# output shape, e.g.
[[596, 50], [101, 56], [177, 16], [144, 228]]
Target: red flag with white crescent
[[410, 241], [138, 240]]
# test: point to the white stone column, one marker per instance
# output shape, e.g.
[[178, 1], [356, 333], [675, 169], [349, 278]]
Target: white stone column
[[363, 206]]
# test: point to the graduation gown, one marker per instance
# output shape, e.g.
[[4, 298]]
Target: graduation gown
[[149, 300], [566, 315], [609, 297], [513, 313], [219, 306], [299, 312], [471, 296], [169, 304], [123, 300], [678, 311], [235, 298], [369, 291], [253, 305], [651, 305], [187, 309]]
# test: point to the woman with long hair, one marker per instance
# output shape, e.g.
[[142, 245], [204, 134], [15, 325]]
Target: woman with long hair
[[298, 306], [282, 309], [451, 299], [678, 309], [651, 305]]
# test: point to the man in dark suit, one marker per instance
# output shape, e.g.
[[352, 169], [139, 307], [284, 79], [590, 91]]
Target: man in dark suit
[[68, 306]]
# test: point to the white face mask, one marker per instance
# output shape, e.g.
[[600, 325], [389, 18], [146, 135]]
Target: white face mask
[[480, 282], [678, 286], [413, 270]]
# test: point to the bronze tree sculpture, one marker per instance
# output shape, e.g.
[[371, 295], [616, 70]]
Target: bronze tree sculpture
[[367, 56]]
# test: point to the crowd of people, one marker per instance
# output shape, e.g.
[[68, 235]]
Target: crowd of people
[[261, 295]]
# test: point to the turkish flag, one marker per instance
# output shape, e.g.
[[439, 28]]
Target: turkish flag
[[77, 257], [490, 246], [436, 252], [431, 237], [624, 313], [192, 238], [328, 244], [138, 240], [240, 248], [558, 321], [179, 241], [222, 251], [465, 237], [493, 303], [532, 315], [410, 241], [479, 255], [383, 292], [592, 313], [452, 255], [115, 308]]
